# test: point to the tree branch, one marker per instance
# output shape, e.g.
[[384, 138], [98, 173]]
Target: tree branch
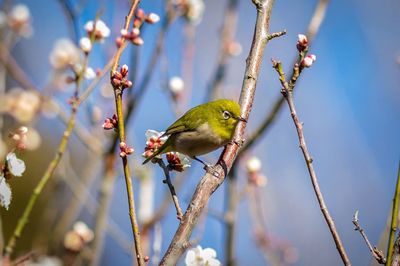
[[287, 92], [375, 252], [121, 134], [209, 183]]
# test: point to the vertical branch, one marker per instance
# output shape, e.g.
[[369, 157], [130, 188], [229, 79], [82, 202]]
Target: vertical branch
[[393, 224], [209, 183], [121, 134], [287, 92]]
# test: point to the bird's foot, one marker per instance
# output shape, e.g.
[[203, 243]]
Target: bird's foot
[[210, 169]]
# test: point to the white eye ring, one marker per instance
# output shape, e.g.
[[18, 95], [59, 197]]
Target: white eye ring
[[226, 115]]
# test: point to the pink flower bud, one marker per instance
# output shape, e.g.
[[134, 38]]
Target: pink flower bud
[[122, 145], [137, 23], [119, 41], [122, 154], [124, 70], [115, 82], [117, 75], [140, 13], [302, 42], [128, 84], [308, 60], [129, 150]]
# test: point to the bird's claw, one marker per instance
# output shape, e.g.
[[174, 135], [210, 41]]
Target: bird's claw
[[211, 170]]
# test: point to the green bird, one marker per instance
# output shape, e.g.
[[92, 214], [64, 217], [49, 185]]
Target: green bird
[[202, 129]]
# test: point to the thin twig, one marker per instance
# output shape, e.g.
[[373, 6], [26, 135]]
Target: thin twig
[[287, 92], [395, 217], [121, 133], [313, 28], [209, 183], [375, 252], [167, 181]]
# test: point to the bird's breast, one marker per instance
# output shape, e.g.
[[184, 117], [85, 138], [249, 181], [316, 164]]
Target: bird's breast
[[197, 142]]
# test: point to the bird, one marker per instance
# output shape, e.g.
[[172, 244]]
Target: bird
[[202, 129]]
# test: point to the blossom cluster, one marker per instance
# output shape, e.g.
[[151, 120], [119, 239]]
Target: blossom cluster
[[76, 239], [302, 47], [134, 35], [254, 174], [154, 140], [18, 19]]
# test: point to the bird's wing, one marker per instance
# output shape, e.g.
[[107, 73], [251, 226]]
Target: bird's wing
[[182, 125]]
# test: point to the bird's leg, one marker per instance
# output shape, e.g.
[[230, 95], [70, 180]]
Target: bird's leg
[[208, 167]]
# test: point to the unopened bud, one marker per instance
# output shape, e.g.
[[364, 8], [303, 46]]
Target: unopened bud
[[302, 42], [308, 60], [152, 18], [124, 70], [138, 41]]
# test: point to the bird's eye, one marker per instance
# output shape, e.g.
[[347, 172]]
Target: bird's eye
[[226, 115]]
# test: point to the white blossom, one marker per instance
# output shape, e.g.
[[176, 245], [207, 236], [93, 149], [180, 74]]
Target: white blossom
[[64, 54], [19, 19], [201, 257], [253, 164], [195, 11], [153, 142], [101, 31], [5, 193], [85, 44], [176, 85], [83, 231], [90, 73], [15, 166]]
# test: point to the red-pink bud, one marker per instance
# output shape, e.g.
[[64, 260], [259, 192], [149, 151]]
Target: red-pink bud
[[140, 13], [124, 70], [308, 60]]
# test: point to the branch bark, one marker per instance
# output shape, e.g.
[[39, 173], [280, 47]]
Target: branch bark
[[121, 134], [209, 183], [395, 215]]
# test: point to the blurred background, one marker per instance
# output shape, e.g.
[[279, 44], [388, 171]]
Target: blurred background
[[348, 100]]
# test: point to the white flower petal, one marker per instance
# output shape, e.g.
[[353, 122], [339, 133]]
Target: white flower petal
[[190, 258], [89, 73], [213, 262], [209, 253], [15, 166], [150, 133], [5, 193]]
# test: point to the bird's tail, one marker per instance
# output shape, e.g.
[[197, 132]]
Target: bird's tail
[[161, 150]]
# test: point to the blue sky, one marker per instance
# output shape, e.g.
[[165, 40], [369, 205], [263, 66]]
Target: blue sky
[[349, 103]]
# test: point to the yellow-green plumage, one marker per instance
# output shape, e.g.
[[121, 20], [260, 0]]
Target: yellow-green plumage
[[202, 129]]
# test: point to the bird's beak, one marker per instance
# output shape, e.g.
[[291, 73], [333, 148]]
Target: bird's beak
[[241, 119]]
